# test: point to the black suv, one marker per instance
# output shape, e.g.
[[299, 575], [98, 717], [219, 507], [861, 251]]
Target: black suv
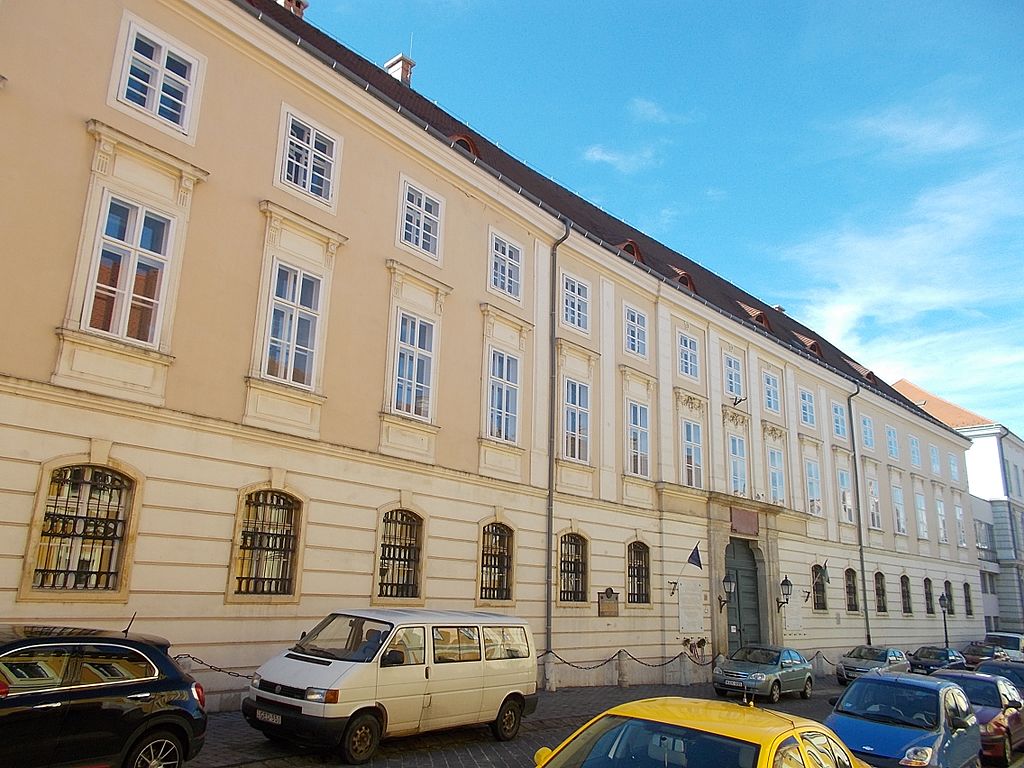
[[87, 697]]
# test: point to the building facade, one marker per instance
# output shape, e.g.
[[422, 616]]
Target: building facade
[[288, 338]]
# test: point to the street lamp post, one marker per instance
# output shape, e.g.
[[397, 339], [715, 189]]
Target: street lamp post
[[944, 604]]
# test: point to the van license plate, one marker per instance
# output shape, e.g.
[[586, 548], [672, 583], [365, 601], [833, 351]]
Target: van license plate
[[268, 717]]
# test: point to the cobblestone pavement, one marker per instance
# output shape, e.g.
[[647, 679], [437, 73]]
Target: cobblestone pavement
[[231, 742]]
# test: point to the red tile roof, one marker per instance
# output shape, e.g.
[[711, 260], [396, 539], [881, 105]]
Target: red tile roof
[[948, 413]]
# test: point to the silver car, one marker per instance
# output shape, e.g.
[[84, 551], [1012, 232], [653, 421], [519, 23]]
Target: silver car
[[866, 657], [763, 670]]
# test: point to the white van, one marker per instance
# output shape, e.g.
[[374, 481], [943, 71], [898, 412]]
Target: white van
[[363, 674], [1011, 642]]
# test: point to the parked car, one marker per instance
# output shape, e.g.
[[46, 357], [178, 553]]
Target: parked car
[[1011, 670], [928, 658], [867, 657], [1011, 642], [997, 704], [675, 732], [976, 652], [764, 670], [87, 697], [908, 720]]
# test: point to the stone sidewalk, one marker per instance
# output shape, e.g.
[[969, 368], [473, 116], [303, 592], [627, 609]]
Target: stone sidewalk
[[232, 742]]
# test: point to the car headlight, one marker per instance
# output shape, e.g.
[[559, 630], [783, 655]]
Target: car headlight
[[758, 677], [917, 756], [255, 682], [322, 695]]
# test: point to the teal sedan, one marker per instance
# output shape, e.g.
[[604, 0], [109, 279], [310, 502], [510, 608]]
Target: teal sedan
[[764, 670]]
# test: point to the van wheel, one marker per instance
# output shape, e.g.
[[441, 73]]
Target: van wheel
[[506, 724], [361, 739], [156, 749]]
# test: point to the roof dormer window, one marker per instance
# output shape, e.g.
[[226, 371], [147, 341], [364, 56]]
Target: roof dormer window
[[633, 250], [756, 315], [466, 143], [812, 345], [866, 373], [685, 279]]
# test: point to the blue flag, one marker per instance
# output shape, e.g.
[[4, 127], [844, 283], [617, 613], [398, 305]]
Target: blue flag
[[694, 558]]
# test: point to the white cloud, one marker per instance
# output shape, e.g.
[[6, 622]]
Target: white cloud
[[920, 135], [623, 162], [647, 111]]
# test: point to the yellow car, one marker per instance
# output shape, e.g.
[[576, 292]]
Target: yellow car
[[673, 732]]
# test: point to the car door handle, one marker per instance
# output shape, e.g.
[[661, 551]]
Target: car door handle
[[140, 696], [51, 705]]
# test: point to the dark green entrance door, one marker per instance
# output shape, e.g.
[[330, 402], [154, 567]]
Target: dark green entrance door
[[744, 608]]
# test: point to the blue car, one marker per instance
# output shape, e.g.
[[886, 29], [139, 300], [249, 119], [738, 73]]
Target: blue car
[[897, 720]]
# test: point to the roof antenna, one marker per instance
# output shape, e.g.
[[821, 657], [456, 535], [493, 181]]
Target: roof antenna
[[125, 631], [410, 44]]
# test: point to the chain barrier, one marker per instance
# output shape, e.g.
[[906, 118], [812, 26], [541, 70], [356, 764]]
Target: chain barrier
[[826, 658], [214, 667]]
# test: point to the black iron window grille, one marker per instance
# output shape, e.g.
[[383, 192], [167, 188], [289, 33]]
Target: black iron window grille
[[638, 572], [880, 602], [908, 606], [573, 568], [852, 603], [929, 601], [266, 550], [496, 563], [949, 597], [968, 604], [400, 555], [818, 588], [83, 530]]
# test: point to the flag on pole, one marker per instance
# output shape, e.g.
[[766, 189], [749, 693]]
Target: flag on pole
[[694, 558]]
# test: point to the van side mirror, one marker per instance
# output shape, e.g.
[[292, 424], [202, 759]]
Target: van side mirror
[[392, 658]]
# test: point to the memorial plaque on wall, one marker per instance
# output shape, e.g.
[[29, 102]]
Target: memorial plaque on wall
[[692, 608], [608, 603]]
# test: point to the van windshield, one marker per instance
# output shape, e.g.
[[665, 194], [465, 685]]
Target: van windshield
[[1009, 642], [346, 638]]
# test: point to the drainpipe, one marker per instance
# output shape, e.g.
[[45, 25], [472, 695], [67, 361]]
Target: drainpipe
[[860, 519], [1009, 517], [552, 421]]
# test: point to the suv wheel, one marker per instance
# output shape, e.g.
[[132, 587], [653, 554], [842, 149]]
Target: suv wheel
[[156, 749]]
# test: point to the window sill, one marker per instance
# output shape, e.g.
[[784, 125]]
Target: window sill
[[282, 408], [407, 438], [108, 366]]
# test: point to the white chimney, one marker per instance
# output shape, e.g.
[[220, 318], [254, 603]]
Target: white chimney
[[400, 68], [295, 6]]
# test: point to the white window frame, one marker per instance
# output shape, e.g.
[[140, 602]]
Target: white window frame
[[693, 454], [961, 529], [899, 510], [874, 504], [776, 476], [575, 438], [936, 460], [634, 331], [415, 218], [921, 512], [505, 274], [915, 451], [413, 352], [772, 392], [132, 27], [132, 254], [292, 306], [638, 439], [940, 515], [737, 465], [812, 476], [845, 493], [867, 432], [575, 295], [807, 415], [839, 423], [503, 373], [892, 442], [954, 469], [314, 157], [689, 355], [733, 369]]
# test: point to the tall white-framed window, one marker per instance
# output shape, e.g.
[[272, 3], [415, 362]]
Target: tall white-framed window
[[638, 449], [940, 515], [158, 78], [845, 494], [921, 512], [954, 469], [635, 331], [689, 356], [733, 376], [874, 505], [576, 421], [414, 366], [915, 451], [503, 404], [807, 416], [961, 530], [867, 432], [776, 477], [422, 218], [693, 454], [737, 465], [892, 443], [506, 266], [933, 454], [772, 392], [575, 303], [308, 158], [812, 475], [294, 324], [899, 511], [129, 274], [839, 420]]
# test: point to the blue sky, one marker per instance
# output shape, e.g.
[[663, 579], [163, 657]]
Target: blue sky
[[860, 163]]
